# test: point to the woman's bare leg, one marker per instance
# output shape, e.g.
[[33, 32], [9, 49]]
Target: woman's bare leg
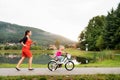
[[30, 63], [20, 61]]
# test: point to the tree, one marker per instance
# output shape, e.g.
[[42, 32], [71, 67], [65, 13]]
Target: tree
[[102, 30], [112, 30], [81, 38], [94, 29], [57, 43], [117, 34], [100, 42]]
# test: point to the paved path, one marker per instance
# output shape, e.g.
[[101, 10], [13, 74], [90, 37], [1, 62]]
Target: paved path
[[61, 71]]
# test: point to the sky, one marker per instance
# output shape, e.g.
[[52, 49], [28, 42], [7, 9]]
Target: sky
[[64, 17]]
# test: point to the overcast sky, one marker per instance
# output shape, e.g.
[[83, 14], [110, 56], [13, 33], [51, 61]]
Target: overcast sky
[[65, 17]]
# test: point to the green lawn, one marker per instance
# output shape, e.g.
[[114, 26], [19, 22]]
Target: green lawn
[[6, 65], [19, 51], [67, 77], [73, 52], [106, 63], [105, 58]]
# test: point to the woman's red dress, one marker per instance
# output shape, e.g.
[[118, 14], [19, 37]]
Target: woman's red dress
[[26, 49]]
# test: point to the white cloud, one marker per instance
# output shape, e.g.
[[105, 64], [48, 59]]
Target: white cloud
[[64, 17]]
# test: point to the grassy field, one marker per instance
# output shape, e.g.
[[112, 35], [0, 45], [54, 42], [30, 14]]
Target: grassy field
[[107, 58], [75, 77], [19, 51], [73, 52], [105, 63], [6, 65]]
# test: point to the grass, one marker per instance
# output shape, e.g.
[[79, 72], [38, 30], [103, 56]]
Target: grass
[[19, 51], [73, 52], [65, 77], [105, 63], [7, 65], [76, 52], [106, 58]]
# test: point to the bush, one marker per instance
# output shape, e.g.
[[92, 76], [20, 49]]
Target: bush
[[117, 46], [36, 48], [83, 60], [1, 47], [7, 47], [15, 47]]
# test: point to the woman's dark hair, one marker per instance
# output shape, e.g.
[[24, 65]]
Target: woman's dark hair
[[26, 32]]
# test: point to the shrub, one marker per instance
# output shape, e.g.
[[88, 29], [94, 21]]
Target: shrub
[[36, 48]]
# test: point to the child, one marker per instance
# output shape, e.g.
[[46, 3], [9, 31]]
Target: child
[[59, 52]]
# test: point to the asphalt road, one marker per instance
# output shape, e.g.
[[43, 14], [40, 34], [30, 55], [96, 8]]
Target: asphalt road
[[60, 71]]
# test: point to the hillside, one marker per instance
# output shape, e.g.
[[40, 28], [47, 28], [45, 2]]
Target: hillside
[[13, 33]]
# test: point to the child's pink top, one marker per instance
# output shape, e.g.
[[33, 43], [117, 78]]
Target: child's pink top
[[58, 53]]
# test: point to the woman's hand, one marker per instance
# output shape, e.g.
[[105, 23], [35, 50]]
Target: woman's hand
[[23, 44]]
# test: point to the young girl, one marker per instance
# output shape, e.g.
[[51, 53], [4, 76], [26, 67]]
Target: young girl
[[59, 52], [26, 53]]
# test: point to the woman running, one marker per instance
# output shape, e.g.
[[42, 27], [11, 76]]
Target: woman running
[[26, 53]]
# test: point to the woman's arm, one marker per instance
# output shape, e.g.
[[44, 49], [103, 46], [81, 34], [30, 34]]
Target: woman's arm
[[33, 42], [23, 41], [23, 44]]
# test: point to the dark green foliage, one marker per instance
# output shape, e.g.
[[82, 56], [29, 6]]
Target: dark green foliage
[[102, 32], [112, 30], [83, 60], [13, 33], [92, 32], [100, 42]]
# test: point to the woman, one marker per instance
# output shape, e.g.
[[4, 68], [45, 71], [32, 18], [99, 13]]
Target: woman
[[26, 53]]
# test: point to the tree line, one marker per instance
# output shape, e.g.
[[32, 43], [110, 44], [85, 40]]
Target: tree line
[[102, 32]]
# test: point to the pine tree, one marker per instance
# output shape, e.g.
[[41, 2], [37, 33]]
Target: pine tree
[[112, 30]]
